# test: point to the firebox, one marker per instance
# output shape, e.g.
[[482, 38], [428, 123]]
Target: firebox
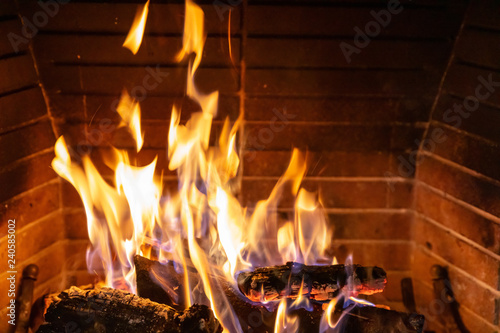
[[346, 132]]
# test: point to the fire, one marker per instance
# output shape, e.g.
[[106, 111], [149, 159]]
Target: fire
[[361, 301], [285, 323], [134, 37], [130, 112], [341, 306], [302, 301], [202, 226], [313, 234], [327, 320]]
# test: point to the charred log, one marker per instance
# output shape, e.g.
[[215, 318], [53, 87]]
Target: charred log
[[370, 319], [159, 282], [111, 310], [163, 284], [320, 283], [256, 318]]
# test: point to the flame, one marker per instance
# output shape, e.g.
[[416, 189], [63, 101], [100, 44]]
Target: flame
[[307, 239], [134, 37], [285, 323], [341, 306], [314, 237], [193, 41], [130, 112], [286, 242], [302, 301], [201, 227], [361, 301], [119, 216], [230, 227], [327, 319]]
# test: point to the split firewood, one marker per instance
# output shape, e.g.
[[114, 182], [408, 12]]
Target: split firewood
[[256, 318], [319, 283], [163, 284], [370, 319], [115, 311]]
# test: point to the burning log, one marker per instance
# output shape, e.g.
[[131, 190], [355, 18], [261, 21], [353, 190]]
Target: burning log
[[320, 283], [157, 282], [259, 319], [112, 310], [370, 319]]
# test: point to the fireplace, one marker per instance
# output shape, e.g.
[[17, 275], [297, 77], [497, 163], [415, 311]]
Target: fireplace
[[395, 103]]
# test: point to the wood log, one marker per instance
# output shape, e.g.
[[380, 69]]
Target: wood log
[[115, 311], [370, 319], [151, 277], [256, 318], [320, 283]]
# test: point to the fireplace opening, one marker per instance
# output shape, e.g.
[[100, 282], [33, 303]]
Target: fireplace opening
[[361, 147]]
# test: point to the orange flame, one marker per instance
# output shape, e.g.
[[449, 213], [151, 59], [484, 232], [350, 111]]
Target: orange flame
[[285, 323], [314, 236], [333, 316], [134, 37], [328, 320], [130, 112], [119, 216], [302, 301]]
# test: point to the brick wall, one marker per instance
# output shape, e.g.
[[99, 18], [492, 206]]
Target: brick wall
[[457, 202], [30, 189], [296, 87], [355, 118]]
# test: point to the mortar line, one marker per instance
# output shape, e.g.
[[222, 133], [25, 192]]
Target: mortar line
[[16, 163], [340, 178], [37, 71], [443, 78], [27, 192], [461, 203], [459, 236], [429, 286], [7, 130], [458, 269], [48, 216], [462, 132], [462, 168]]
